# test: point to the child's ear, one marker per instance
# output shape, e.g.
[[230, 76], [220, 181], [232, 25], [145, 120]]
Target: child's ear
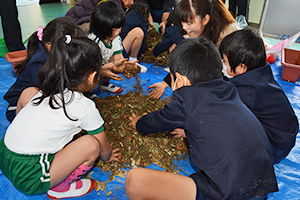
[[241, 68], [91, 78], [182, 80]]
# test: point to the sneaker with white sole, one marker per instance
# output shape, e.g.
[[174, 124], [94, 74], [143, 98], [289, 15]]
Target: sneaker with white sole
[[110, 88], [167, 69], [78, 188]]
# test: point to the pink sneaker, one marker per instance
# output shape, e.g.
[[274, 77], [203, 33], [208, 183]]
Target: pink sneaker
[[78, 188]]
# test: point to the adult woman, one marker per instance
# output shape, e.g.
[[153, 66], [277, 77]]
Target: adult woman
[[209, 18]]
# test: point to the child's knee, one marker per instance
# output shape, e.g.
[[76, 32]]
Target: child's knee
[[132, 179], [138, 32], [92, 145]]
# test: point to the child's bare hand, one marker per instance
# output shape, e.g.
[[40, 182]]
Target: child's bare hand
[[127, 68], [115, 156], [134, 118], [178, 132], [106, 71], [158, 89]]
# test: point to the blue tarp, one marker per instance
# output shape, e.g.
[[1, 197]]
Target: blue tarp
[[287, 172]]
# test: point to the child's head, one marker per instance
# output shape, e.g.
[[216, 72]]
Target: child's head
[[242, 51], [203, 17], [70, 62], [107, 20], [141, 7], [197, 59], [73, 64], [172, 19], [57, 27]]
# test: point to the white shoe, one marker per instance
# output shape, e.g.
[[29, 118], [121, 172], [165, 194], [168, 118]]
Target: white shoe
[[143, 69], [110, 88], [78, 188], [167, 69]]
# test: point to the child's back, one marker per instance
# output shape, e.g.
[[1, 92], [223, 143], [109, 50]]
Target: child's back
[[227, 142], [260, 92], [228, 145], [37, 55]]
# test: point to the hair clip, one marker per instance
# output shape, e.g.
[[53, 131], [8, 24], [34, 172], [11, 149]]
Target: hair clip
[[40, 33], [68, 39]]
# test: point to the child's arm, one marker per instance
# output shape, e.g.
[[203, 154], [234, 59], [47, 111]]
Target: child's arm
[[106, 152], [172, 116]]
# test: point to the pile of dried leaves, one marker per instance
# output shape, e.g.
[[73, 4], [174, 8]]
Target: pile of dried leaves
[[153, 38], [137, 150]]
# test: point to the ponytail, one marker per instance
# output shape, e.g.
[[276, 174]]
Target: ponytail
[[31, 47], [70, 62]]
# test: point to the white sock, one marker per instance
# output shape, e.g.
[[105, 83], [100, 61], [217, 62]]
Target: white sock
[[132, 58]]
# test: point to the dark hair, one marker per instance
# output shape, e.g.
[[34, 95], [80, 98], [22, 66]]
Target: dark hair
[[244, 46], [172, 19], [106, 16], [141, 7], [55, 28], [196, 58], [220, 17], [67, 67]]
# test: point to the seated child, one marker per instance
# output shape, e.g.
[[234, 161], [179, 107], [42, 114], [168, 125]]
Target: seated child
[[228, 145], [36, 154], [81, 12], [244, 55], [37, 53], [107, 20], [171, 36], [135, 30]]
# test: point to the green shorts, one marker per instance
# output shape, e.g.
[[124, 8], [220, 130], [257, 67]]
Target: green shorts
[[28, 173]]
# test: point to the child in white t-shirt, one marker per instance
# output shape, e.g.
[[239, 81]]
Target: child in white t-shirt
[[107, 21], [36, 154]]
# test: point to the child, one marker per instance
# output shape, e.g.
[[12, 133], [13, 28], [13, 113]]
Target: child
[[245, 57], [135, 30], [107, 21], [81, 12], [227, 143], [36, 155], [37, 54], [171, 36]]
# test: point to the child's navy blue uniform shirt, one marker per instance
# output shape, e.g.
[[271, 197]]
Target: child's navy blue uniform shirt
[[27, 78], [171, 36], [133, 20], [227, 142], [266, 99]]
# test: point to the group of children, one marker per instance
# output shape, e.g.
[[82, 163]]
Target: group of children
[[237, 127]]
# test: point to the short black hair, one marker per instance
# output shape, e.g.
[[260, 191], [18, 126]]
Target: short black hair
[[106, 16], [246, 47], [196, 58]]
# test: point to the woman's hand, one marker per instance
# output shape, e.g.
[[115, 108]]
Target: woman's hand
[[158, 89]]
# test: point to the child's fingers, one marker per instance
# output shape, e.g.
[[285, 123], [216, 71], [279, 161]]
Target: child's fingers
[[115, 150]]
